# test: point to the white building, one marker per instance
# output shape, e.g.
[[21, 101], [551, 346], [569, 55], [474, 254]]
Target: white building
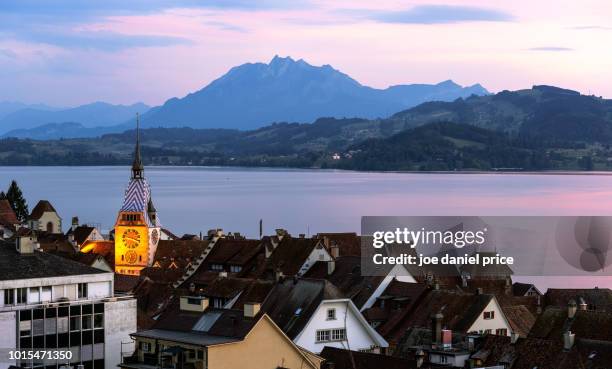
[[51, 303], [338, 323], [44, 217]]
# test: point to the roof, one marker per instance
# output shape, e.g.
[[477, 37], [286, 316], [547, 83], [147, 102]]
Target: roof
[[7, 215], [346, 359], [82, 233], [42, 207], [598, 298], [194, 338], [125, 283], [460, 310], [291, 254], [233, 251], [520, 289], [179, 252], [520, 319], [347, 277], [14, 265], [553, 322], [136, 199], [349, 243], [291, 302], [491, 270]]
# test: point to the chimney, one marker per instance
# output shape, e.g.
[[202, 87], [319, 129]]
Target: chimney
[[479, 291], [334, 251], [26, 242], [539, 305], [508, 286], [582, 305], [420, 358], [279, 275], [568, 340], [571, 309], [302, 235], [447, 338], [331, 266], [75, 223], [464, 281], [251, 309], [514, 337], [193, 303], [436, 285], [280, 233], [436, 329], [192, 287]]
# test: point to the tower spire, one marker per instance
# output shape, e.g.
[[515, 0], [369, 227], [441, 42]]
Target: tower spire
[[137, 167]]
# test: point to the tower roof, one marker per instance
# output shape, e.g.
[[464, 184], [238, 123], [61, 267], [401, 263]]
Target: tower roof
[[137, 167]]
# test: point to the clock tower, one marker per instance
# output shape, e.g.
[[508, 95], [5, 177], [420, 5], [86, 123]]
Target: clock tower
[[137, 228]]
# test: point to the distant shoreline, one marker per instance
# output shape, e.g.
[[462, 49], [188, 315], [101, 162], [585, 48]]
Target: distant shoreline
[[490, 172]]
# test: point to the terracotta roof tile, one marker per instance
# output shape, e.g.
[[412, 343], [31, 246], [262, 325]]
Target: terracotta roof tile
[[40, 208]]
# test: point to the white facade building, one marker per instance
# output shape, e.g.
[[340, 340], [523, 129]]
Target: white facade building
[[338, 323], [51, 303]]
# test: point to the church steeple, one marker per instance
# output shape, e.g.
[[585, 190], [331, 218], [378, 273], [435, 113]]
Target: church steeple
[[137, 167]]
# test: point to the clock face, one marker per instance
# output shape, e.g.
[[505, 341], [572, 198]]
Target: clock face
[[154, 236], [131, 238], [131, 257]]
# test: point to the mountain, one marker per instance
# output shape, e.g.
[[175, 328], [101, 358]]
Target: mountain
[[545, 111], [98, 114], [285, 90], [8, 107]]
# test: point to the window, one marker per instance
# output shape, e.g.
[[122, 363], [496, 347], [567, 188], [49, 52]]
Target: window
[[443, 359], [9, 297], [22, 295], [323, 335], [501, 332], [235, 268], [487, 331], [145, 346], [99, 321], [82, 290], [489, 315], [50, 227], [75, 323], [331, 314], [338, 334], [217, 267]]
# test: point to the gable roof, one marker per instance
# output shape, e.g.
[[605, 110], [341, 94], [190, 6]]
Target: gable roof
[[520, 319], [460, 310], [42, 207], [291, 302], [7, 215], [520, 289], [81, 233], [291, 254]]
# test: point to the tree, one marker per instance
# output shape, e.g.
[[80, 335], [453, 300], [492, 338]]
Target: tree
[[17, 201], [2, 195]]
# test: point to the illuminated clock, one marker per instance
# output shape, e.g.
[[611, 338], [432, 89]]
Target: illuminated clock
[[131, 238], [154, 236], [131, 257]]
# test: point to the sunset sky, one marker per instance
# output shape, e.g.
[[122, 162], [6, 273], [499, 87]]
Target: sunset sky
[[65, 53]]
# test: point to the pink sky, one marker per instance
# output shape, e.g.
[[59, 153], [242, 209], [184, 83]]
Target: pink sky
[[173, 51]]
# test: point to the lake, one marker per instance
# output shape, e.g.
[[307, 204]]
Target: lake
[[195, 199]]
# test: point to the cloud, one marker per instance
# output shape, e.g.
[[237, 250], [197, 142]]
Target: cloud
[[105, 41], [592, 27], [550, 48], [8, 53], [441, 14]]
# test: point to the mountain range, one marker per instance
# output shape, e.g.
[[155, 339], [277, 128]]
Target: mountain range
[[94, 115], [542, 128], [247, 97]]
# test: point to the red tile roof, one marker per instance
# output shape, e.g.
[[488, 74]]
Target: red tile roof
[[7, 215], [40, 208]]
